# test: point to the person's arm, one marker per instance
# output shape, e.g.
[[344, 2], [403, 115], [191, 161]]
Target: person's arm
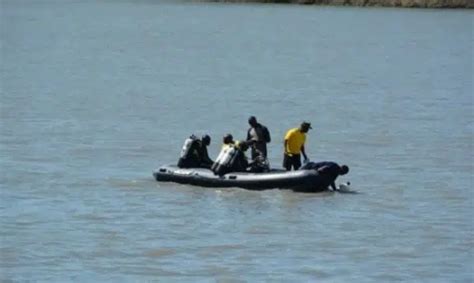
[[266, 133], [205, 156], [285, 147], [333, 186], [248, 134], [304, 153]]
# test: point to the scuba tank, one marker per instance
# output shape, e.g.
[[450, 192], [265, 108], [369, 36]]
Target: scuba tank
[[219, 158], [186, 152], [223, 163], [187, 146]]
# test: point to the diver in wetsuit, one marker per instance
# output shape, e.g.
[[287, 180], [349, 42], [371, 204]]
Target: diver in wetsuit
[[232, 158], [240, 162], [328, 170], [194, 153]]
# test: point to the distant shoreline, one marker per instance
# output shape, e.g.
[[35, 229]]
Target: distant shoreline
[[469, 4]]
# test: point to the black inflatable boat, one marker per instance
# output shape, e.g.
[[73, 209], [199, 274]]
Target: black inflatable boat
[[300, 180]]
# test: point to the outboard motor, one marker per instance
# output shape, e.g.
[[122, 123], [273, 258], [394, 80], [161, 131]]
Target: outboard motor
[[223, 163], [185, 157]]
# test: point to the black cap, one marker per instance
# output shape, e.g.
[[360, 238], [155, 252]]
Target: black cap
[[228, 138], [306, 125]]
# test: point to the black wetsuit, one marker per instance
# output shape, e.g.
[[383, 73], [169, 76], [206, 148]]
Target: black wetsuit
[[205, 160], [239, 162], [197, 157], [328, 170]]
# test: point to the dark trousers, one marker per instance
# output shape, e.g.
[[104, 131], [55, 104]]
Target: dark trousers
[[291, 161]]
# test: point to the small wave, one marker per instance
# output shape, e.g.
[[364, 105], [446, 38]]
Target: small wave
[[161, 252]]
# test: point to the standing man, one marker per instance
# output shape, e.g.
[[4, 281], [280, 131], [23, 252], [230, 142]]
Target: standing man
[[294, 146], [258, 135]]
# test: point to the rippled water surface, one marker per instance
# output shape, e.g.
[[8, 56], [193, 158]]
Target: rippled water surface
[[97, 94]]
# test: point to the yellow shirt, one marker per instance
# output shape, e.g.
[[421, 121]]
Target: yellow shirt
[[295, 139]]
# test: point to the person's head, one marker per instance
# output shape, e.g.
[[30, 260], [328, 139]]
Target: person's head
[[344, 170], [228, 139], [252, 121], [206, 140], [305, 127]]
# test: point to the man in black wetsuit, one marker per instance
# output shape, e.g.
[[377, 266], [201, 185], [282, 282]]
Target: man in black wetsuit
[[239, 163], [205, 160], [197, 155], [328, 170], [258, 136]]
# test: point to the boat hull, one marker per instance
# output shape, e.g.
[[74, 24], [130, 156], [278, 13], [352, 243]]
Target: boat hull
[[300, 180]]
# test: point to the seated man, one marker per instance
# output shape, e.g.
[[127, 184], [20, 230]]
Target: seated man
[[240, 163], [329, 171], [232, 159], [194, 153]]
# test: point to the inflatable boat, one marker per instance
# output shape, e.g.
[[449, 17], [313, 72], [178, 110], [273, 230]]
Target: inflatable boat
[[299, 180]]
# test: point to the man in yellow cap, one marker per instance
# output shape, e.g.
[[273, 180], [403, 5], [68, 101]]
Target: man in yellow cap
[[294, 146]]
